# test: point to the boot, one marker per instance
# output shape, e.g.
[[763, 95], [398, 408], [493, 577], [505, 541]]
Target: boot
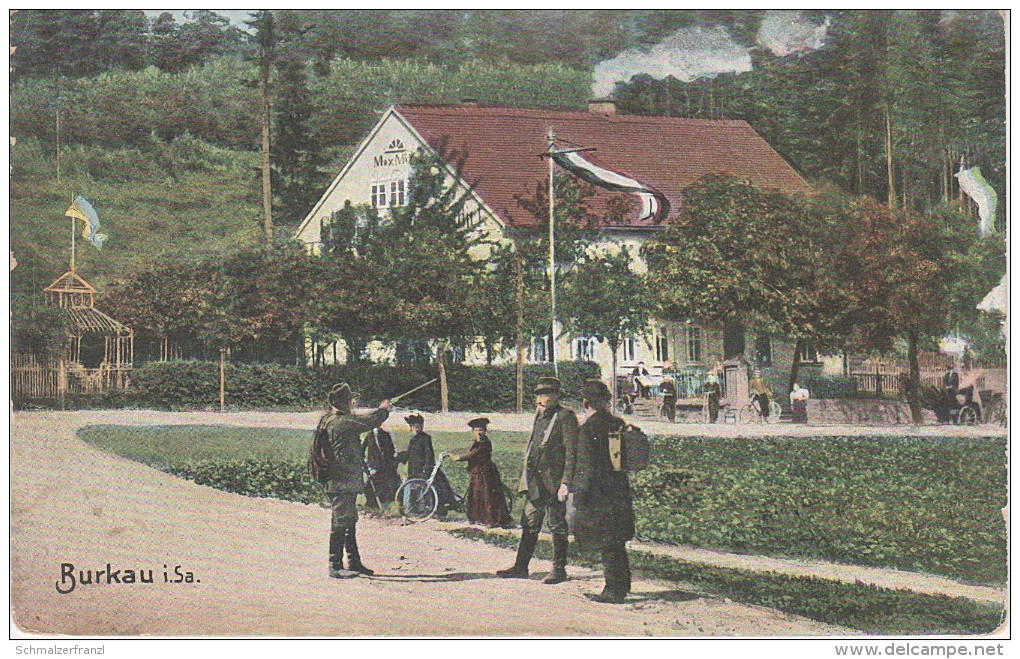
[[336, 556], [559, 570], [524, 552], [616, 569], [353, 556]]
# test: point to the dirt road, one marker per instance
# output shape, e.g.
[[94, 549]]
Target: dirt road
[[259, 565]]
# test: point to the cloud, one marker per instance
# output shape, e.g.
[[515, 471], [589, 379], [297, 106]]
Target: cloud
[[705, 52], [687, 54], [785, 32]]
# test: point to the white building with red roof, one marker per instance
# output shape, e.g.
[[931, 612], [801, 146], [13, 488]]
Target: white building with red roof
[[495, 154]]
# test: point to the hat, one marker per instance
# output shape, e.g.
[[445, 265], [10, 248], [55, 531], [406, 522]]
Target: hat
[[480, 422], [340, 396], [593, 390], [547, 385], [415, 420]]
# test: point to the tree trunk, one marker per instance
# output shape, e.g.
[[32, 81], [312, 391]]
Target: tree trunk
[[888, 157], [914, 380], [444, 393], [520, 327], [614, 345], [267, 190], [795, 368]]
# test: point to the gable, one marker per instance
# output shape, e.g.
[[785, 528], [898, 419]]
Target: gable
[[382, 165]]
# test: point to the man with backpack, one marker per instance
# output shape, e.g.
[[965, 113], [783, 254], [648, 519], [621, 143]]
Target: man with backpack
[[596, 475], [336, 462]]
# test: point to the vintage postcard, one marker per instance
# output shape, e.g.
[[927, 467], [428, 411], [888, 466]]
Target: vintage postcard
[[502, 324]]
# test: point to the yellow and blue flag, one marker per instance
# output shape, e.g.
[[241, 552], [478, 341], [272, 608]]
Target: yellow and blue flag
[[82, 209]]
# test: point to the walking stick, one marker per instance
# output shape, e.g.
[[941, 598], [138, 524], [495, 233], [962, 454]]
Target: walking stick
[[371, 483], [408, 393]]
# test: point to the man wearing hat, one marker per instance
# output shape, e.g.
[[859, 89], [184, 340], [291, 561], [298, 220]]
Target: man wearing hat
[[337, 462], [603, 506], [553, 435]]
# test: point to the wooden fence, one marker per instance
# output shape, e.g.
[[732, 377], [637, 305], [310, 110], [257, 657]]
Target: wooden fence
[[32, 378], [882, 376]]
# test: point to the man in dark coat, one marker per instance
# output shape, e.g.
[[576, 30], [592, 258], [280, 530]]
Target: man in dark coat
[[713, 393], [668, 391], [381, 459], [337, 461], [603, 506], [553, 435]]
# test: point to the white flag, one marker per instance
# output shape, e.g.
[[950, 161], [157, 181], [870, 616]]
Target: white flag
[[654, 204], [978, 189]]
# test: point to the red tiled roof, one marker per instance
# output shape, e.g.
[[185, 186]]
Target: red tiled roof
[[502, 148]]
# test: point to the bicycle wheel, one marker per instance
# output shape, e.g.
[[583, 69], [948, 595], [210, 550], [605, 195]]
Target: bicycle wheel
[[775, 411], [417, 500], [511, 498], [968, 415], [995, 413]]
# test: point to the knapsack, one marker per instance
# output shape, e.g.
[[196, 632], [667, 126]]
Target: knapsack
[[319, 454], [629, 449]]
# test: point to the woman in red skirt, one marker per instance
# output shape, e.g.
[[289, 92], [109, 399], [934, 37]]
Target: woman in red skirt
[[485, 502]]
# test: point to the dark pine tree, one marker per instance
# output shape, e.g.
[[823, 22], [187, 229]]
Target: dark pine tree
[[297, 154]]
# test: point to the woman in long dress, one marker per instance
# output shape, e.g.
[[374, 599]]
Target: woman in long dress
[[485, 501]]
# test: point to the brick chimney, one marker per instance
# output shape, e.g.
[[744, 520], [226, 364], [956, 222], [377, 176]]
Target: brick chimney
[[602, 106]]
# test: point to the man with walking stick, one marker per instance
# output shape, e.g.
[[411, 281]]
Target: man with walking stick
[[336, 461]]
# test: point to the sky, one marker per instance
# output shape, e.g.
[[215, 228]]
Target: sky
[[236, 16]]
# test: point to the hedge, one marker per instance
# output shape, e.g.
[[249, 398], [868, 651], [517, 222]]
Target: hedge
[[184, 385]]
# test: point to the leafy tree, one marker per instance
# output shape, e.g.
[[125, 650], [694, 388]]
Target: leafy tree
[[424, 249], [123, 39], [899, 276], [38, 328], [976, 265], [605, 299], [737, 253], [56, 42]]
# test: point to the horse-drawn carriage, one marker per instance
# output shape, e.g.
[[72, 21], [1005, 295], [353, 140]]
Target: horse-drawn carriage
[[967, 406]]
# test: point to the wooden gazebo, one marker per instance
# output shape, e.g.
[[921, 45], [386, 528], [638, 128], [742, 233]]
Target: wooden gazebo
[[88, 364]]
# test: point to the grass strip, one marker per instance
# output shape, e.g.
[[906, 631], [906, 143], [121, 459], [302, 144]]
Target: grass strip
[[860, 606]]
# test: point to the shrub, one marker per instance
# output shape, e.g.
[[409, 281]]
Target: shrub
[[257, 478], [195, 385]]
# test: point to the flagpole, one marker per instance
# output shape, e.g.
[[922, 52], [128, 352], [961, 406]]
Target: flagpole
[[552, 252], [72, 238]]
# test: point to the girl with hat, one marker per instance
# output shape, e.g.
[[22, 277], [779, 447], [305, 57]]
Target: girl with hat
[[485, 502], [421, 459]]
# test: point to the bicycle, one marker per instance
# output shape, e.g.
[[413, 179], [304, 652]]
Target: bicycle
[[752, 412], [418, 500]]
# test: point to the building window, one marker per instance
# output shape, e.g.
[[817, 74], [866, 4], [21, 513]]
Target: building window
[[584, 349], [661, 348], [379, 195], [468, 219], [540, 349], [808, 354], [628, 350], [388, 194], [763, 350], [693, 344], [397, 193]]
